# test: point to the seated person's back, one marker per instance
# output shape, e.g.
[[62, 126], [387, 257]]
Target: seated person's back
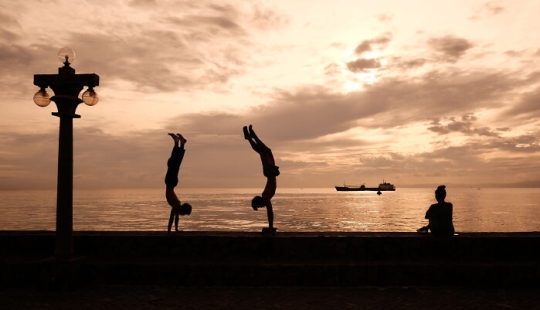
[[440, 218]]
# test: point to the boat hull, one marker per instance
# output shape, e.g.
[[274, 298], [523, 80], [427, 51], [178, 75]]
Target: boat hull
[[362, 189]]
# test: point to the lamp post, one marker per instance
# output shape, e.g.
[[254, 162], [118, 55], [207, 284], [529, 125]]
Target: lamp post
[[66, 86]]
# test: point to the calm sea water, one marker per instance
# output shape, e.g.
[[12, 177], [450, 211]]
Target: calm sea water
[[310, 209]]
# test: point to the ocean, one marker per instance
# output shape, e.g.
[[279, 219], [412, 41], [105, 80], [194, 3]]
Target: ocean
[[295, 209]]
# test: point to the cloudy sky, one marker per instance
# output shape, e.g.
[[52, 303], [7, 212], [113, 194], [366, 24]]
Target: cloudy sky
[[417, 92]]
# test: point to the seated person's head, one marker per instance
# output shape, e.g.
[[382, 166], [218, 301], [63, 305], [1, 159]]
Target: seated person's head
[[440, 193], [257, 202], [185, 209]]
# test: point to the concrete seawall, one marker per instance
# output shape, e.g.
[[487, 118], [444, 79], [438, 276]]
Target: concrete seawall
[[287, 259]]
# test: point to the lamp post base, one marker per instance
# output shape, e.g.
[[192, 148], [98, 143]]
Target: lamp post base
[[61, 274]]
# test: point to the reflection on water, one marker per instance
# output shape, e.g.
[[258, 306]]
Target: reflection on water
[[295, 210]]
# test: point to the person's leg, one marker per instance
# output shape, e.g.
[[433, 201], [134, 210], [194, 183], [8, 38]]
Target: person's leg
[[253, 135], [264, 151], [253, 144], [423, 229], [246, 133], [171, 178], [176, 218], [173, 167], [174, 162]]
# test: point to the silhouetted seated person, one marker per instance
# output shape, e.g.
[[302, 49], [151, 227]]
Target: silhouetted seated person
[[270, 171], [171, 180], [439, 216]]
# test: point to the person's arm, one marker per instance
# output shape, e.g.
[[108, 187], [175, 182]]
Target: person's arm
[[267, 194], [171, 218], [428, 213], [270, 214], [254, 145]]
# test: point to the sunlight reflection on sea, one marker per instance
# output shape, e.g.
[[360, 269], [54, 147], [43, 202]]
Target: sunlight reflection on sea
[[475, 210]]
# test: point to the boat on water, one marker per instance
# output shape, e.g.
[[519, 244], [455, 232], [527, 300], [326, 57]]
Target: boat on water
[[384, 186]]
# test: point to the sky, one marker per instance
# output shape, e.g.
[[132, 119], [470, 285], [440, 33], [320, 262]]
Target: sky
[[417, 93]]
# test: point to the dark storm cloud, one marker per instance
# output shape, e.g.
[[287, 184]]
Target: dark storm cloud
[[167, 60], [463, 125], [15, 57], [332, 69], [384, 162], [362, 64], [142, 60], [460, 164], [520, 144], [214, 24], [312, 112], [407, 64], [22, 62], [12, 55], [7, 20], [368, 45], [137, 160], [450, 47], [512, 53], [8, 36], [203, 50], [527, 143], [404, 101], [466, 162], [515, 145], [32, 167], [527, 107]]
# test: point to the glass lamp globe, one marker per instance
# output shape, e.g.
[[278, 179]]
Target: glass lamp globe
[[90, 97], [66, 54], [42, 99]]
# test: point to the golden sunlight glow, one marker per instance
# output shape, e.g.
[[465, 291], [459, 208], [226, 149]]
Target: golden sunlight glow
[[369, 76], [371, 55], [352, 86], [355, 80]]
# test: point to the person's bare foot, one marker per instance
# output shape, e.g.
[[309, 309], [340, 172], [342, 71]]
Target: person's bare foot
[[246, 133], [175, 137], [251, 132], [181, 138]]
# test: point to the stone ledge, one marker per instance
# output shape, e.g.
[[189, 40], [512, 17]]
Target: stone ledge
[[304, 246], [298, 259]]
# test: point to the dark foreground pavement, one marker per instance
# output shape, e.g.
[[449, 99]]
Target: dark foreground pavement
[[219, 270], [121, 297]]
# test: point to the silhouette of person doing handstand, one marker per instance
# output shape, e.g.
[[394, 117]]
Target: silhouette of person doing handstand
[[440, 215], [171, 180], [270, 171]]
